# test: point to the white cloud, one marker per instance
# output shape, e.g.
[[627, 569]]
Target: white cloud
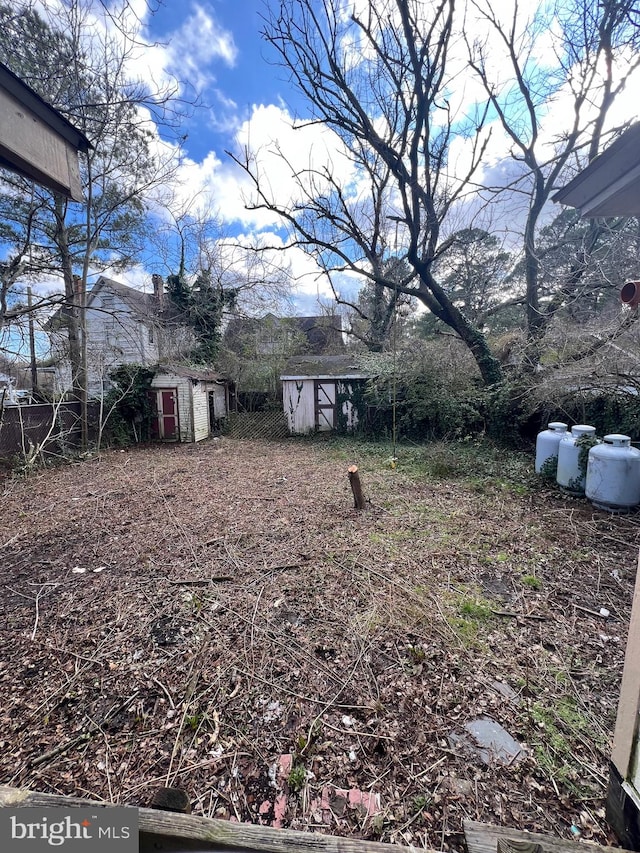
[[199, 42]]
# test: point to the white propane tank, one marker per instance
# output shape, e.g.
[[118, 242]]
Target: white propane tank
[[547, 445], [571, 476], [613, 474]]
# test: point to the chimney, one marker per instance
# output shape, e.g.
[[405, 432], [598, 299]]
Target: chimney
[[158, 288]]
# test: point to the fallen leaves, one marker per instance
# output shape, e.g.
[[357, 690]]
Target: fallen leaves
[[195, 643]]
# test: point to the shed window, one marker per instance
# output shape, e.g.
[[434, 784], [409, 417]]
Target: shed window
[[150, 334]]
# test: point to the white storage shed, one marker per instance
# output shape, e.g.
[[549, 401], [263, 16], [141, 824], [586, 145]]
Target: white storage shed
[[323, 393], [188, 404]]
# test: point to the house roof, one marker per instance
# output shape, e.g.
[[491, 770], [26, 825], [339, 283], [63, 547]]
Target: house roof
[[610, 184], [37, 141], [324, 366], [195, 373], [144, 305], [322, 333]]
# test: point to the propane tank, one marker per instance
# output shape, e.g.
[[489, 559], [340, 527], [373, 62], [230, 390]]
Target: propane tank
[[571, 475], [547, 446], [613, 474]]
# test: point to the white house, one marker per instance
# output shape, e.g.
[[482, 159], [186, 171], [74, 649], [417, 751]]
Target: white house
[[124, 326]]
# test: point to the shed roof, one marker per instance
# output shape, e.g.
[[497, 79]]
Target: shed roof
[[610, 184], [330, 366]]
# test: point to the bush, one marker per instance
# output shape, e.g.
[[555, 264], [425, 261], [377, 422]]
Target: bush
[[127, 406], [614, 410], [436, 400]]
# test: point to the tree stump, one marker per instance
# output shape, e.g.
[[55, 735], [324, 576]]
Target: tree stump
[[356, 487]]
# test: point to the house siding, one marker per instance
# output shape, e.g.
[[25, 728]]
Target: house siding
[[122, 328]]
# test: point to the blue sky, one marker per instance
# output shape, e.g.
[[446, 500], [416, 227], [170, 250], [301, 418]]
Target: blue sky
[[245, 79], [216, 45]]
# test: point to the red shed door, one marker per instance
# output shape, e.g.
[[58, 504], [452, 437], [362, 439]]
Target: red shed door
[[164, 419]]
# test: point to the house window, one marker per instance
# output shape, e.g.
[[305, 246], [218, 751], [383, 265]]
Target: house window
[[150, 334]]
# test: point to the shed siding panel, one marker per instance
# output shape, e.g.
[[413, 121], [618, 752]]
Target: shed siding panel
[[299, 405], [184, 408], [349, 411], [200, 411]]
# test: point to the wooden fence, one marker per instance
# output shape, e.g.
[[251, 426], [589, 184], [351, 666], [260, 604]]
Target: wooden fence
[[54, 429]]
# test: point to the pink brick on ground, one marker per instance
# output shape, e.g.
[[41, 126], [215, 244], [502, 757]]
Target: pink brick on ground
[[332, 803], [370, 803], [285, 763]]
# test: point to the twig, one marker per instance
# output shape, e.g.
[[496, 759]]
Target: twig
[[85, 736], [508, 613], [592, 612], [36, 601], [194, 675], [204, 582], [164, 690]]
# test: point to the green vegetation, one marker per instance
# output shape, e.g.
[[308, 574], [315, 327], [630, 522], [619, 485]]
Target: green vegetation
[[556, 726], [127, 406], [549, 469], [194, 721], [531, 581], [477, 610], [297, 777]]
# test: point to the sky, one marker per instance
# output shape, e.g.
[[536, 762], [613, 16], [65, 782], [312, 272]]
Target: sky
[[216, 45]]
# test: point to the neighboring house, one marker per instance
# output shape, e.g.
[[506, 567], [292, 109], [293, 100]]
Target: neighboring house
[[323, 393], [253, 338], [188, 404], [124, 326]]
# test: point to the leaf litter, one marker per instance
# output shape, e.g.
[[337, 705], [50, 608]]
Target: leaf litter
[[218, 617]]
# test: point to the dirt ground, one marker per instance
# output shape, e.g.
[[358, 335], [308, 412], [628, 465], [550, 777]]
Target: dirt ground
[[218, 617]]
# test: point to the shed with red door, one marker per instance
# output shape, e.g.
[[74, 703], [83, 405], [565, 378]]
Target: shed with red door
[[188, 404]]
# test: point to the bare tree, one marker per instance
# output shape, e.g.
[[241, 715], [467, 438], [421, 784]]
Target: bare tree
[[83, 67], [191, 239], [381, 80], [594, 53]]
